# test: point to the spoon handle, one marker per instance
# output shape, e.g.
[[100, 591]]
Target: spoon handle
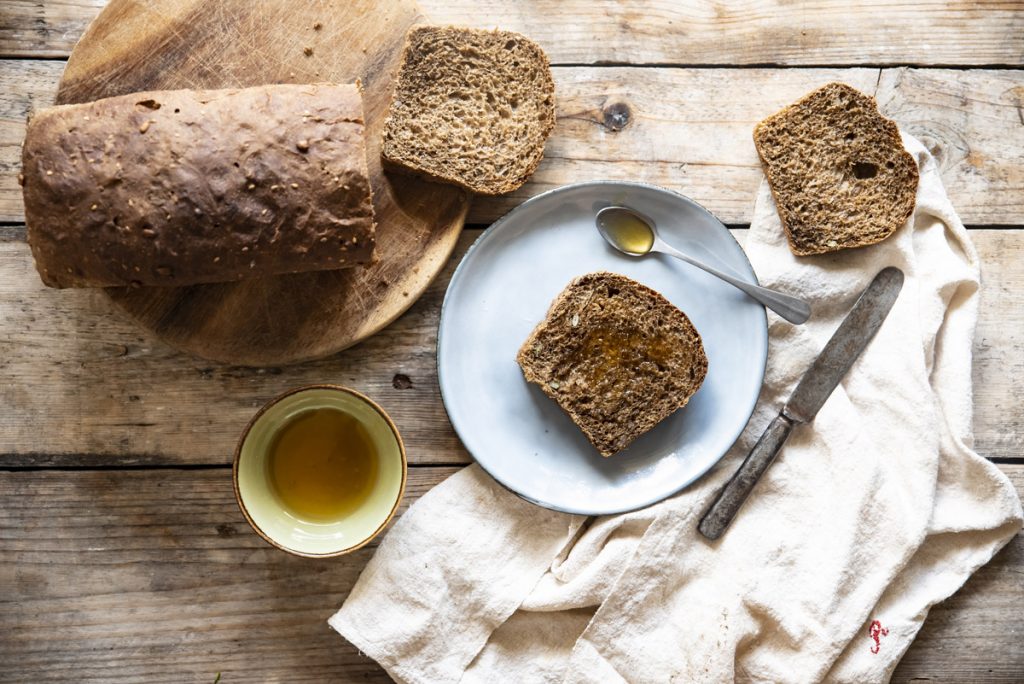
[[792, 309]]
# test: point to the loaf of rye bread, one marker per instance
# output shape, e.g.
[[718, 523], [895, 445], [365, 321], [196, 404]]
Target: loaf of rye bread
[[190, 186], [617, 357]]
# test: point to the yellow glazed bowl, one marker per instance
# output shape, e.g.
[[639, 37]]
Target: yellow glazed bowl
[[272, 520]]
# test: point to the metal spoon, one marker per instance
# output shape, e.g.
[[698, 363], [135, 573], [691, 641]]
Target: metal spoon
[[634, 234]]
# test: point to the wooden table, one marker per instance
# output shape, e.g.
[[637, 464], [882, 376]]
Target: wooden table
[[122, 553]]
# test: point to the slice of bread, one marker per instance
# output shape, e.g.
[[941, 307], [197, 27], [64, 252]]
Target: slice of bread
[[471, 107], [617, 357], [837, 170]]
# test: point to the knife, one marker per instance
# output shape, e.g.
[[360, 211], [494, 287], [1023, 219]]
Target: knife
[[846, 344]]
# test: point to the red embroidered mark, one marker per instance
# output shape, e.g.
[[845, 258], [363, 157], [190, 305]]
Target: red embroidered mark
[[875, 631]]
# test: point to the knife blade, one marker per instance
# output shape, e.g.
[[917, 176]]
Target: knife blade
[[840, 352]]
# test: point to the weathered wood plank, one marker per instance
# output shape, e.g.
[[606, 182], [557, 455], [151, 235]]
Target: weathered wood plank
[[29, 28], [83, 385], [975, 129], [154, 575], [665, 32], [25, 86], [690, 130], [71, 361], [998, 344]]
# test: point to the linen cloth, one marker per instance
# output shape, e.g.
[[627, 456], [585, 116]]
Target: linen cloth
[[869, 516]]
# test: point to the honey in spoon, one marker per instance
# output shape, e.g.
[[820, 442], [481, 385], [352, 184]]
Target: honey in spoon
[[626, 231]]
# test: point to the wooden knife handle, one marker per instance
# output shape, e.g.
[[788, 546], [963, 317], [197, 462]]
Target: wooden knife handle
[[723, 510]]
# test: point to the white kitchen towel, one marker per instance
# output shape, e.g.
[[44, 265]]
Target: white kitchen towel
[[869, 516]]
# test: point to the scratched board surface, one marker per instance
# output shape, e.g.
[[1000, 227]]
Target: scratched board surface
[[136, 45]]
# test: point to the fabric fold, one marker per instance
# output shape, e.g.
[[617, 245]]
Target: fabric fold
[[418, 608]]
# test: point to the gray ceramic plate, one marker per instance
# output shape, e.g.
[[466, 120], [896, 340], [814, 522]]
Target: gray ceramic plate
[[503, 288]]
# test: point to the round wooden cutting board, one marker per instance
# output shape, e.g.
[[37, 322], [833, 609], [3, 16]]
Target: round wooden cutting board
[[139, 45]]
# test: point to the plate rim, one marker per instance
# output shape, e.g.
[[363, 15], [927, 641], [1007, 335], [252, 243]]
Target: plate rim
[[490, 231]]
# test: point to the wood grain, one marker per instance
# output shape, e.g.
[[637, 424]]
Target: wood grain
[[25, 86], [154, 576], [106, 392], [109, 392], [665, 32], [690, 130], [137, 45]]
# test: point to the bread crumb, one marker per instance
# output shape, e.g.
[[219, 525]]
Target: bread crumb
[[303, 145], [145, 126], [308, 51], [317, 26]]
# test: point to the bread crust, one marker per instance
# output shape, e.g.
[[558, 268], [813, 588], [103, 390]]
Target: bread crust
[[616, 356], [837, 170], [196, 186]]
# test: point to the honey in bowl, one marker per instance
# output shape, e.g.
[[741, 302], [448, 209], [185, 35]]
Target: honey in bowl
[[323, 465]]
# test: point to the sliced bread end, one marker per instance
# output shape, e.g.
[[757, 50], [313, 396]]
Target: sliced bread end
[[471, 107]]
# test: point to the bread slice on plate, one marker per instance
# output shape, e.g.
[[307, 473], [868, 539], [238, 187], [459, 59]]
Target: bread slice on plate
[[471, 107], [616, 356], [837, 169]]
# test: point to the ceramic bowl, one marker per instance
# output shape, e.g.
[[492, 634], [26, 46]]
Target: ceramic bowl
[[275, 522]]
